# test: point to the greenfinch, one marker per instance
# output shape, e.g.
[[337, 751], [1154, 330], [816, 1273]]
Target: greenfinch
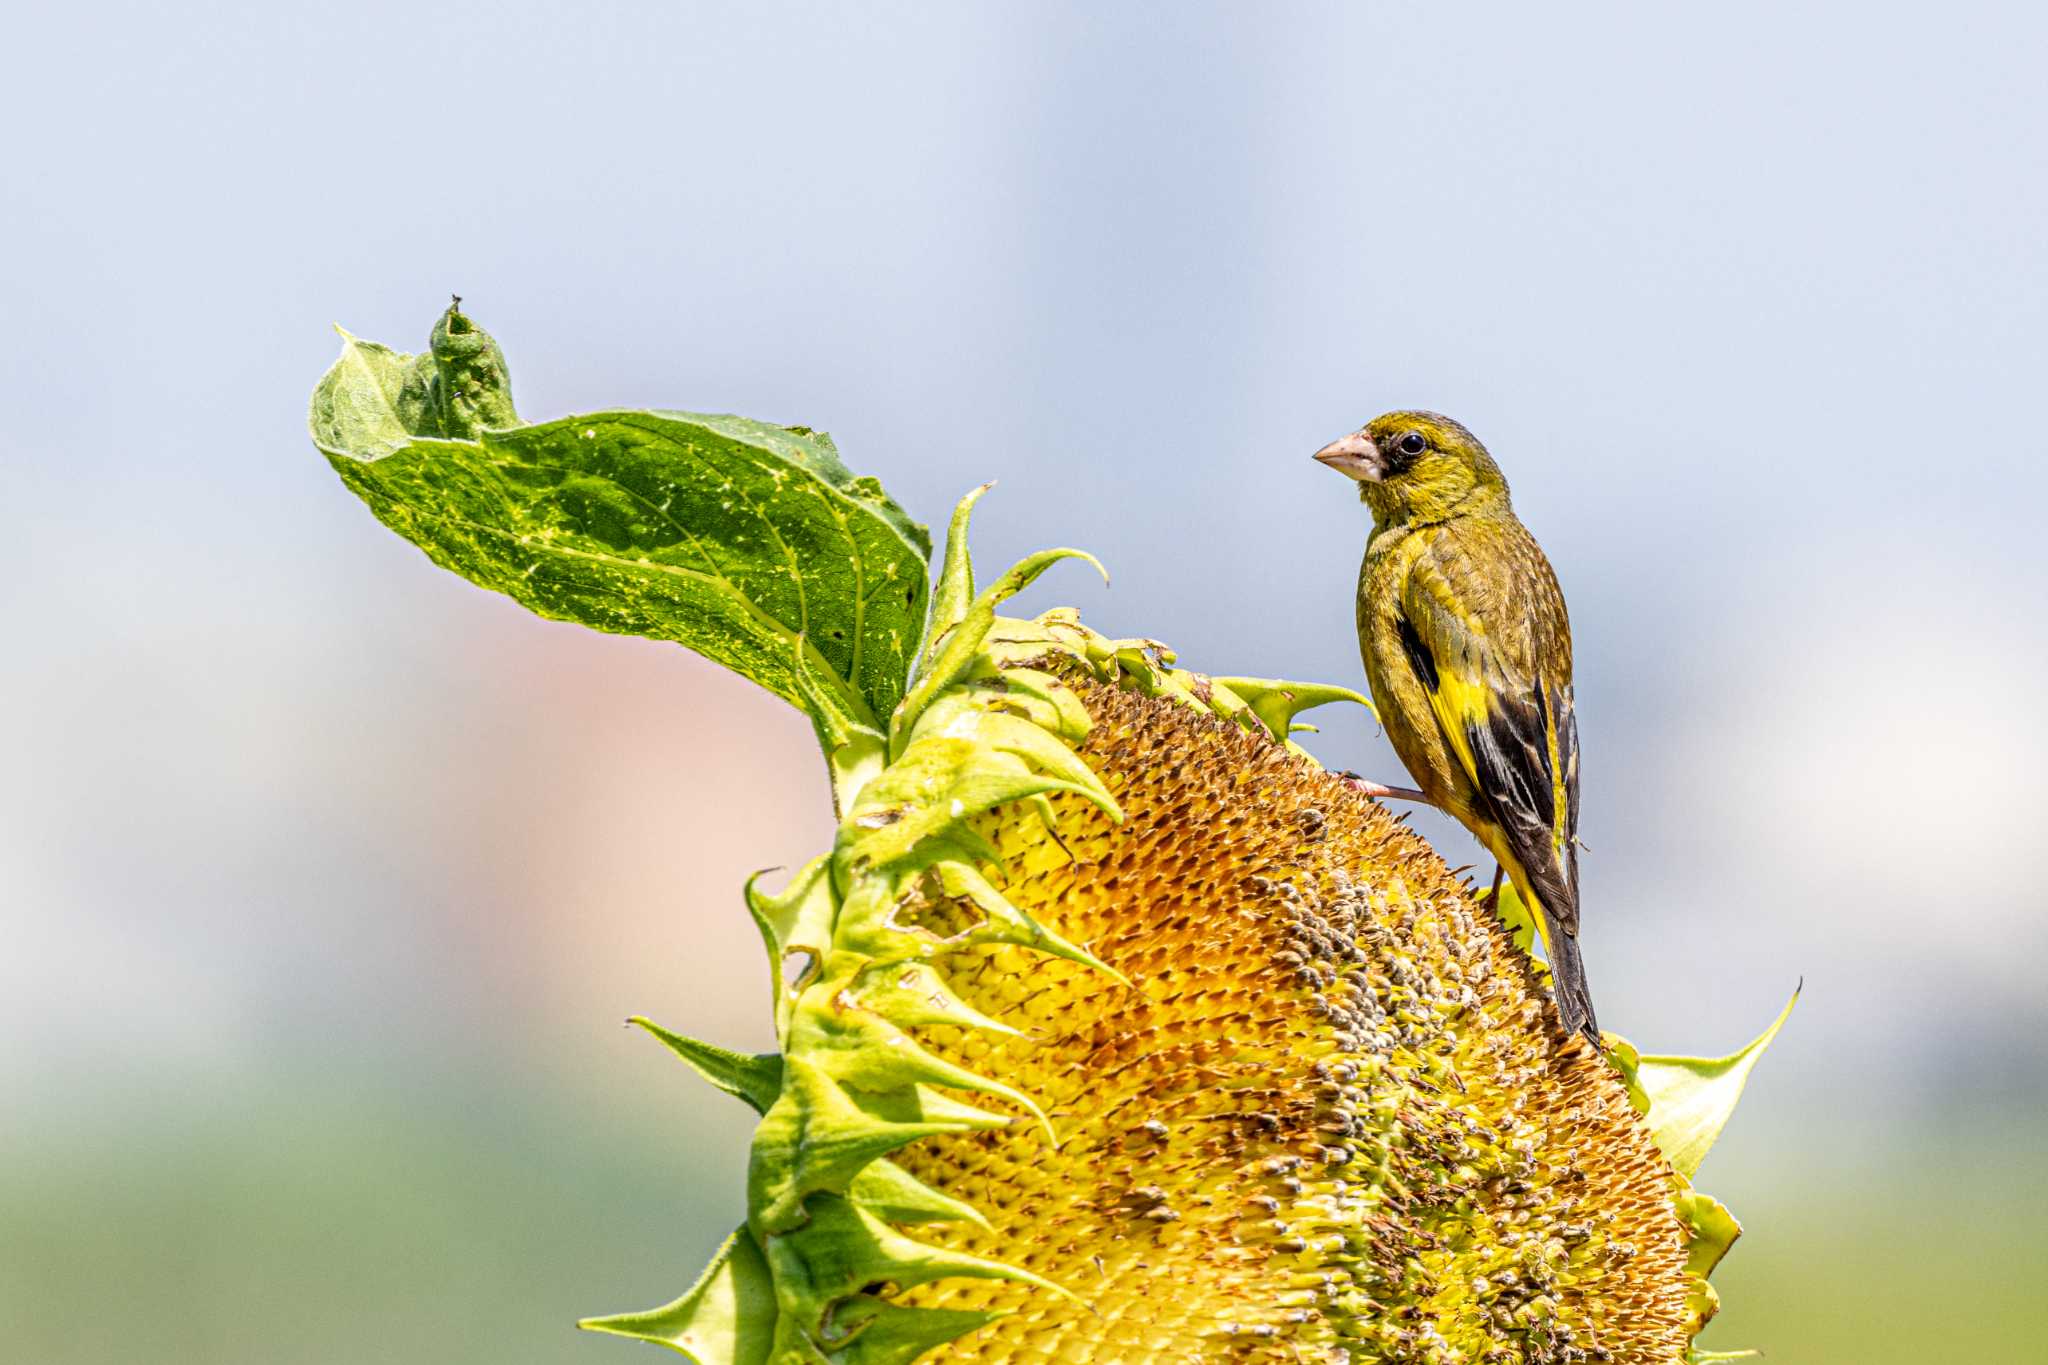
[[1469, 656]]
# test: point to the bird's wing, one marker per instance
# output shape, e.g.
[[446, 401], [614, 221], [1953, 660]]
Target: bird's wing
[[1484, 628]]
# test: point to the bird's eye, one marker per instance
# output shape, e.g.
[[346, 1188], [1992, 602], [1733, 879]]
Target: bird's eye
[[1413, 443]]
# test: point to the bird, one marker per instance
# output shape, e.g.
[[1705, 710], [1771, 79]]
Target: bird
[[1468, 654]]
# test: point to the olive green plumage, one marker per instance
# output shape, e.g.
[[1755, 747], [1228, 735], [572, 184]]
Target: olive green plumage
[[1469, 654]]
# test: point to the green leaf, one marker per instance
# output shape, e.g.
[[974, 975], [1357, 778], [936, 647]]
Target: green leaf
[[938, 785], [796, 927], [1698, 1357], [356, 404], [376, 400], [817, 1136], [955, 592], [894, 1195], [878, 1332], [755, 1078], [749, 543], [727, 1317], [842, 1248], [1710, 1231], [853, 751], [1691, 1098], [951, 657], [1276, 702], [1514, 912]]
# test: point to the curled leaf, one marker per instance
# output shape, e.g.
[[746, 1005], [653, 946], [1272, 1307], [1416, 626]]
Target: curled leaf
[[1691, 1098]]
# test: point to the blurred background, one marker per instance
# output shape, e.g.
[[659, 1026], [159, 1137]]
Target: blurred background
[[326, 879]]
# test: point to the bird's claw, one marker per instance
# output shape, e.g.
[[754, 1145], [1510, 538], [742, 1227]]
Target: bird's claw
[[1380, 789]]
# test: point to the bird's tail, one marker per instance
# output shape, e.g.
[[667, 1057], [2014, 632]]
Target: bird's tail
[[1568, 984]]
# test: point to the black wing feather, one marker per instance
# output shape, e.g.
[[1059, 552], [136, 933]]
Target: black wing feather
[[1511, 759]]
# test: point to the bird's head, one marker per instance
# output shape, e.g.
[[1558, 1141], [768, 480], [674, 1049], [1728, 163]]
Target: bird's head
[[1416, 467]]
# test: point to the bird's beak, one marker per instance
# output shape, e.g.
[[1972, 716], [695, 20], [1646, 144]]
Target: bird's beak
[[1355, 456]]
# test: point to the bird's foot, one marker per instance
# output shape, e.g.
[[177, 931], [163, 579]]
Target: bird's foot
[[1380, 789]]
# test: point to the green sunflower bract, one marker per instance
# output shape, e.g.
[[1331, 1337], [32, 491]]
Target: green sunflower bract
[[1111, 1027]]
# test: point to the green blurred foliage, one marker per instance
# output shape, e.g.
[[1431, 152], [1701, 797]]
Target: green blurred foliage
[[357, 1223], [1934, 1256]]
